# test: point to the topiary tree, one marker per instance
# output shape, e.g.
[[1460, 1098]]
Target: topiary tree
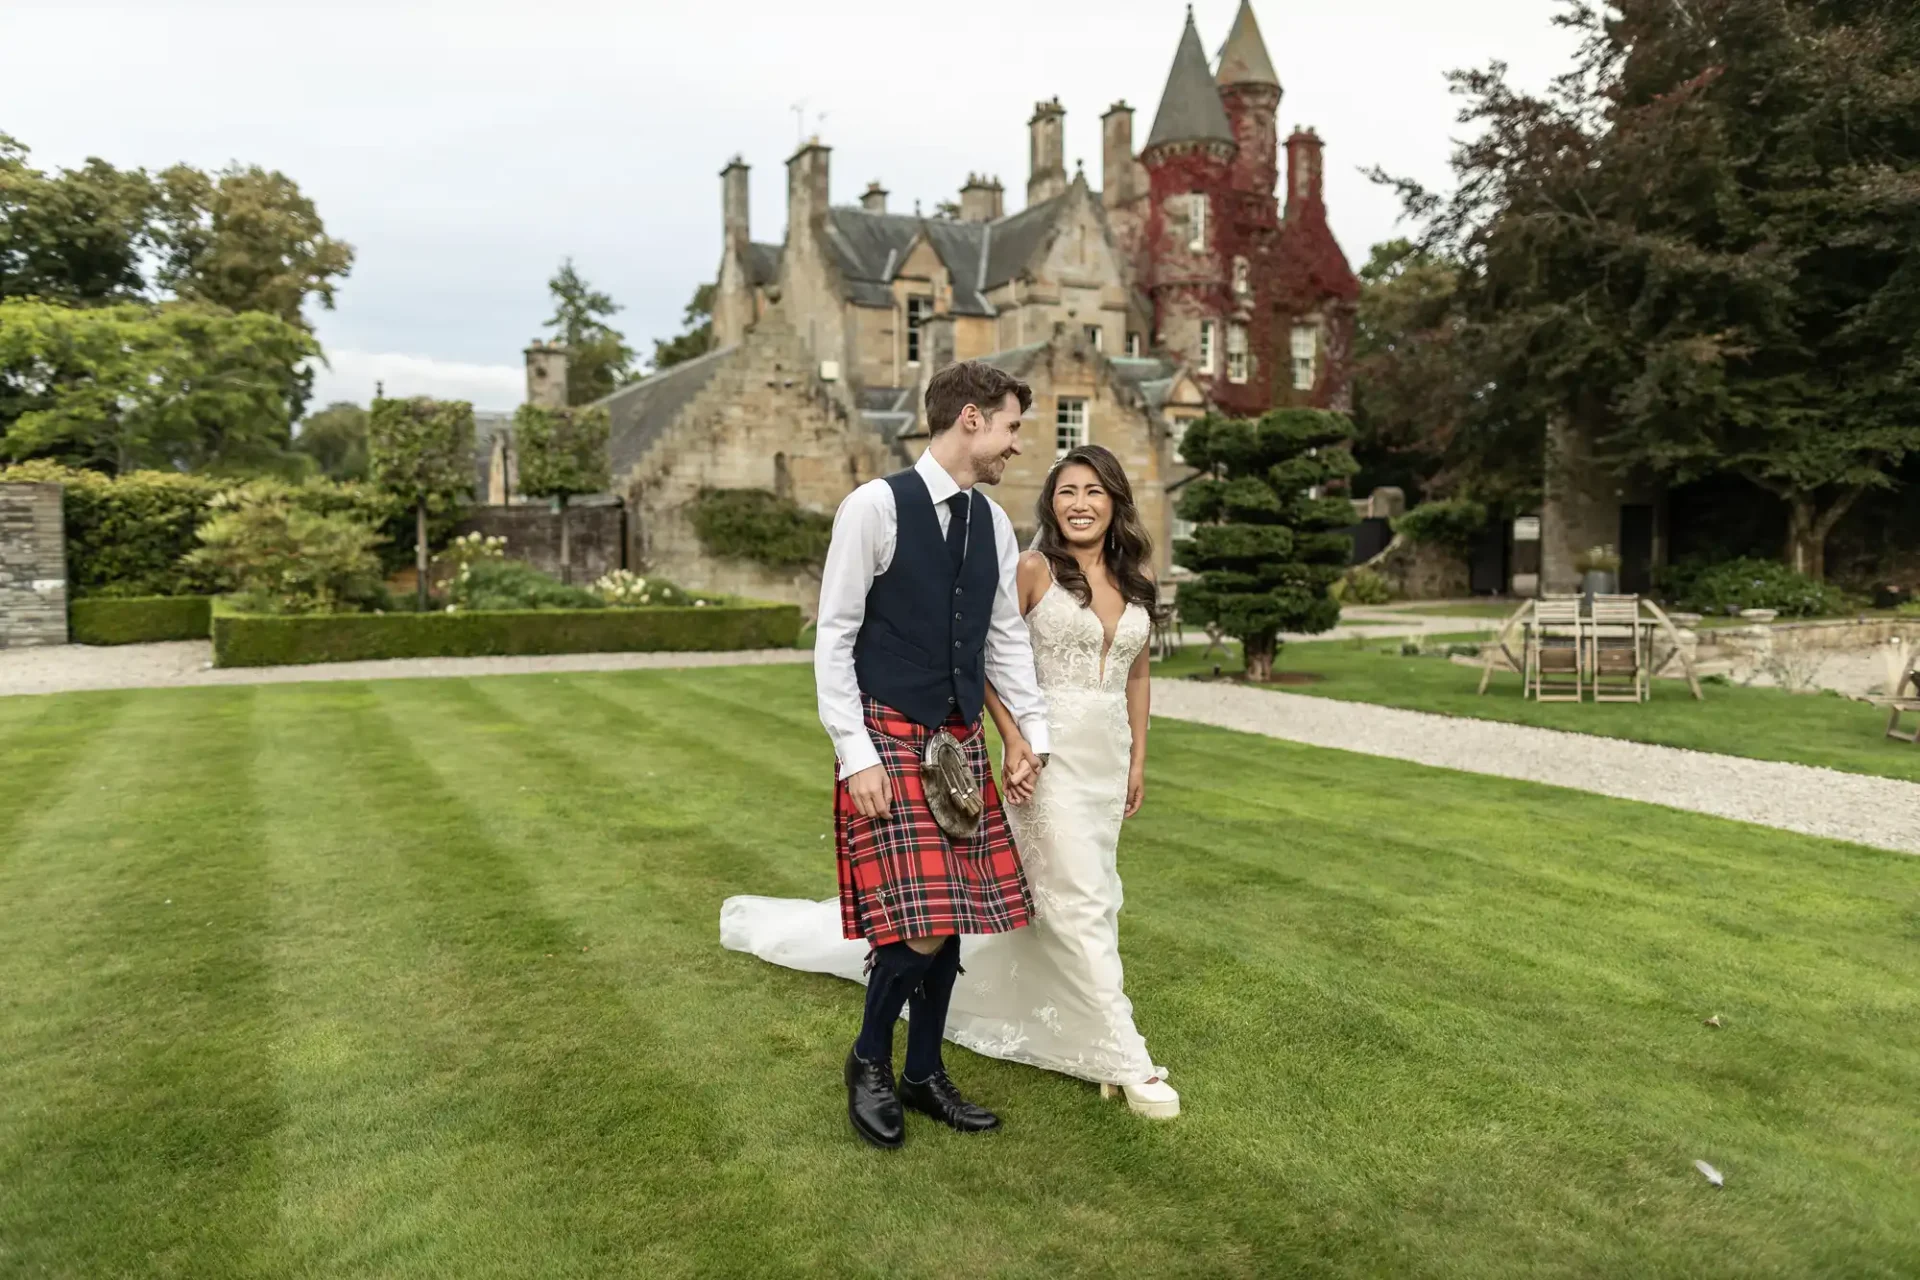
[[563, 452], [421, 451], [1266, 548]]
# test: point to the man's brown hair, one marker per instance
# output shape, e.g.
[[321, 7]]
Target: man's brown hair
[[970, 382]]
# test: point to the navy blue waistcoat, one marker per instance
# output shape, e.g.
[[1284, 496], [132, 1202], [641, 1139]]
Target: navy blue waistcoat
[[922, 649]]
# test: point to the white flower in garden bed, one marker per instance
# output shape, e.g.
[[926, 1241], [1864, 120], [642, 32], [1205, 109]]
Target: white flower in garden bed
[[623, 588]]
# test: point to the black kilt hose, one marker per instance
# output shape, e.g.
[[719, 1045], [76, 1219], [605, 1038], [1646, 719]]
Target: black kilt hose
[[902, 876]]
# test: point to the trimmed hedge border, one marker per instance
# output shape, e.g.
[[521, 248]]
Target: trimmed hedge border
[[139, 619], [259, 640]]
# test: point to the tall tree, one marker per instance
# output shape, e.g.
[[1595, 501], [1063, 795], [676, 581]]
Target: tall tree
[[563, 453], [422, 453], [695, 337], [598, 357], [75, 236], [1267, 549], [246, 239], [1701, 249], [336, 439], [179, 387]]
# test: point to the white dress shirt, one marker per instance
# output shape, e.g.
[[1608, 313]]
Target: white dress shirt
[[865, 532]]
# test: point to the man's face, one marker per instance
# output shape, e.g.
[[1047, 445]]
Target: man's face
[[996, 439]]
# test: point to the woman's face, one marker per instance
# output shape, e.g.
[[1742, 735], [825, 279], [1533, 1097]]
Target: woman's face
[[1082, 506]]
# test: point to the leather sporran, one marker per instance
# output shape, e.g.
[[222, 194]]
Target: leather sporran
[[952, 793]]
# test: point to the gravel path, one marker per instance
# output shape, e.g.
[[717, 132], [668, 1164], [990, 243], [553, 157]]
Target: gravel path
[[1881, 812], [69, 668]]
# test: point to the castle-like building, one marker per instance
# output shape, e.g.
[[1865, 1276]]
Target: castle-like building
[[1189, 280]]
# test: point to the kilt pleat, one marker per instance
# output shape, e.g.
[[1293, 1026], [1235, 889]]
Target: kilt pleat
[[903, 877]]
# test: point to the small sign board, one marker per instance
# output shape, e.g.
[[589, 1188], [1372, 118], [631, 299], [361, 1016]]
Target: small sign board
[[1526, 528]]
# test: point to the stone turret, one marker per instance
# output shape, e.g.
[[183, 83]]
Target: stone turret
[[547, 375], [1250, 92]]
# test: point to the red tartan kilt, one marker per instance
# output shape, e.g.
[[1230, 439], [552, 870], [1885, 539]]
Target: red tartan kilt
[[903, 877]]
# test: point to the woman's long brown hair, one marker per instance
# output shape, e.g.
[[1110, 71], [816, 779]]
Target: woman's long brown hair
[[1128, 549]]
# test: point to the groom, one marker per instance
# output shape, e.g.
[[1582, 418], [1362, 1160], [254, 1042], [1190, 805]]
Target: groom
[[918, 611]]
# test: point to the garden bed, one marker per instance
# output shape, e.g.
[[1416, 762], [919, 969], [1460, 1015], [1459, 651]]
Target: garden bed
[[139, 619], [264, 640]]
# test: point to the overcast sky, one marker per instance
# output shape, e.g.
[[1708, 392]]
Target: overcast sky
[[464, 149]]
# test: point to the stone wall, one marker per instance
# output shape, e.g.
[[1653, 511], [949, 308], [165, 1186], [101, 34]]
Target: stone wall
[[1421, 571], [763, 415], [33, 566], [596, 535]]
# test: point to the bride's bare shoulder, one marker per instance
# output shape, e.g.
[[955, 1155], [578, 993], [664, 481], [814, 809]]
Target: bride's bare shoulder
[[1034, 576]]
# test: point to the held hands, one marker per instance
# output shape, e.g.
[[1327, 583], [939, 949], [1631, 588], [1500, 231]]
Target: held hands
[[1021, 769], [870, 793]]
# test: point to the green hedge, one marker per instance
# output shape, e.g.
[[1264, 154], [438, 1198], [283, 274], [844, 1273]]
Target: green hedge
[[255, 640], [141, 620]]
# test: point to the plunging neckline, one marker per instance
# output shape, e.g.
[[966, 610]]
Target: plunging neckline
[[1107, 634]]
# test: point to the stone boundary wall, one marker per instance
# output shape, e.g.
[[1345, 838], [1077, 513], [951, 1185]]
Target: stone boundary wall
[[1830, 635], [33, 566], [596, 535]]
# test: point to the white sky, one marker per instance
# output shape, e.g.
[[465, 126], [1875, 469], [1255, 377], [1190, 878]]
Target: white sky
[[465, 148]]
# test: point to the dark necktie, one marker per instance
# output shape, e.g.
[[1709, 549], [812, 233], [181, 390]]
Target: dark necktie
[[957, 529]]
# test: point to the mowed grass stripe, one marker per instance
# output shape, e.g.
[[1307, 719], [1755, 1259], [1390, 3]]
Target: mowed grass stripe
[[795, 1182], [41, 741], [557, 1084], [140, 1104], [396, 1156], [1475, 970]]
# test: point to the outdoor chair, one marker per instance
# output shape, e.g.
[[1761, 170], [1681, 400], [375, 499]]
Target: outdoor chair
[[1556, 651], [1617, 658], [1903, 692]]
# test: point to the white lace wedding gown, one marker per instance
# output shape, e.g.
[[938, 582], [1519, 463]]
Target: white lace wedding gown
[[1050, 994]]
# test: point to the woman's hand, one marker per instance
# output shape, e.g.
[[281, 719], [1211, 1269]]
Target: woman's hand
[[1136, 788], [1019, 770]]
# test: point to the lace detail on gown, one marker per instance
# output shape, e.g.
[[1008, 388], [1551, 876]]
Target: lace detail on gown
[[1050, 994]]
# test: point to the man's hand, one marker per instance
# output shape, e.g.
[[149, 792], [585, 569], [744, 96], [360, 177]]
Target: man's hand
[[1021, 769], [870, 792]]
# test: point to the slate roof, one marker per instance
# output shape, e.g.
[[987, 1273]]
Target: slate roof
[[1243, 58], [1190, 109], [869, 248], [642, 410], [763, 263]]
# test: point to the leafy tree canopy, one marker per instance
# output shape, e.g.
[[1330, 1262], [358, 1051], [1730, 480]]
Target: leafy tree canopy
[[598, 357], [694, 339]]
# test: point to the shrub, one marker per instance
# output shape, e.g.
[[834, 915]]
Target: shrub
[[1454, 524], [752, 524], [511, 584], [1732, 585], [282, 558], [248, 640], [626, 590], [129, 535], [1597, 560], [1361, 585], [141, 620]]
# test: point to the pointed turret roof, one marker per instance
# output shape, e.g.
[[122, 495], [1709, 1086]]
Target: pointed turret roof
[[1243, 59], [1190, 109]]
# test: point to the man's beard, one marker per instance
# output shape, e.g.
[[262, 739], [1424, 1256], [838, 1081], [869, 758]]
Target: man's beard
[[989, 470]]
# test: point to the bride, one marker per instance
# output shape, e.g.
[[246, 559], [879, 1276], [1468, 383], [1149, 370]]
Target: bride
[[1048, 995]]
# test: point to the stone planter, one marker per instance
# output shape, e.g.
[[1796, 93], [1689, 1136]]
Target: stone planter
[[1759, 615]]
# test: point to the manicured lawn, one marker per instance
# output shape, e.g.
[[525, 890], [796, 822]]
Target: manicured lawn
[[422, 978], [1475, 609], [1763, 724]]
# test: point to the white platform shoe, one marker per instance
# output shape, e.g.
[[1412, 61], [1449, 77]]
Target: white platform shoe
[[1154, 1099]]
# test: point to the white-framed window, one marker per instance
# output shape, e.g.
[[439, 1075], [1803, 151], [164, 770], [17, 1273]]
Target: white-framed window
[[1306, 351], [1236, 353], [1209, 333], [1069, 425], [917, 311], [1197, 221], [1242, 282], [1133, 344], [1096, 337]]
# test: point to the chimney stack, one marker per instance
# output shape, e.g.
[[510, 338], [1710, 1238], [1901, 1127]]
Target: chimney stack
[[1122, 178], [807, 189], [874, 198], [1047, 166], [547, 375], [733, 204], [1303, 170], [982, 199]]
